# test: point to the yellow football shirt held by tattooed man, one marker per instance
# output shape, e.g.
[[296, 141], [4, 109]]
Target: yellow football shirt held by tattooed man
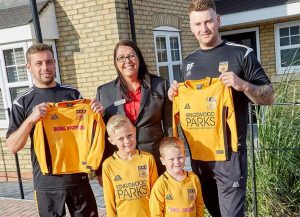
[[206, 114]]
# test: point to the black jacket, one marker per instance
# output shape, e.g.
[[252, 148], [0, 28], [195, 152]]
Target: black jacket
[[155, 115]]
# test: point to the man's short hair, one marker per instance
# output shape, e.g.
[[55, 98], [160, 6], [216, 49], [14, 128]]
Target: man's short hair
[[36, 48], [116, 122], [170, 142], [201, 5]]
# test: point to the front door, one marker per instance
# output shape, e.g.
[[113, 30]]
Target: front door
[[245, 38], [248, 39]]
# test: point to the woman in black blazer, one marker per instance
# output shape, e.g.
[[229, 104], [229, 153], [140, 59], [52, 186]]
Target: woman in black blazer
[[139, 95]]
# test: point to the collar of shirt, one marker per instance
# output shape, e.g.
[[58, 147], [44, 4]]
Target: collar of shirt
[[132, 107]]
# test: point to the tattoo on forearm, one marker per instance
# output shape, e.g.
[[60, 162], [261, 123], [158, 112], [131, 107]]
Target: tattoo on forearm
[[262, 95]]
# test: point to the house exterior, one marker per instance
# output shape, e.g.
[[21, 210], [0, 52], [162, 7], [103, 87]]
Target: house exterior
[[84, 32], [270, 27]]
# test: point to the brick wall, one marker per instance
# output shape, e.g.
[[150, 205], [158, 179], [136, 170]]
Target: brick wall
[[8, 170], [88, 32], [90, 29], [149, 14]]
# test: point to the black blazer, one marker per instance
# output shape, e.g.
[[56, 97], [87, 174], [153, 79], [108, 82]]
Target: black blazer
[[155, 115]]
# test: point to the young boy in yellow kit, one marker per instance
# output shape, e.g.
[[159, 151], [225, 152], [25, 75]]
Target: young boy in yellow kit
[[129, 174], [176, 192]]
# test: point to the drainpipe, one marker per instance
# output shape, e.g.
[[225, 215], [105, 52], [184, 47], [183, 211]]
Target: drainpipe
[[36, 21], [18, 169], [131, 17]]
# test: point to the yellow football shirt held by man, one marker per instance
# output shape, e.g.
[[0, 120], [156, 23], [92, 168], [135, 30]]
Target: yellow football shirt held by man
[[70, 138], [205, 111]]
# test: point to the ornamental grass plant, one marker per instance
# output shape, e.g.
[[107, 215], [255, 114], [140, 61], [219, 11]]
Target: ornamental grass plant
[[277, 154]]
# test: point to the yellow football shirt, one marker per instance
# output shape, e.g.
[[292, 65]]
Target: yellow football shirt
[[172, 198], [70, 138], [205, 111], [127, 184]]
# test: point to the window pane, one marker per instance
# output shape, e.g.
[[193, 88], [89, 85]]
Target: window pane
[[15, 65], [174, 49], [9, 57], [2, 111], [15, 91], [284, 32], [20, 59], [290, 57], [177, 73], [294, 30], [22, 73], [161, 43], [161, 49], [174, 43], [175, 55], [164, 72], [295, 39], [284, 41], [12, 75], [162, 56]]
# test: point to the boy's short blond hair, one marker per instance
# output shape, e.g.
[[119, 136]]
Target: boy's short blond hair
[[116, 122], [170, 142], [36, 48], [201, 5]]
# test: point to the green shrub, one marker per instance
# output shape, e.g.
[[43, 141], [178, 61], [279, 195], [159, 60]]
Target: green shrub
[[277, 155]]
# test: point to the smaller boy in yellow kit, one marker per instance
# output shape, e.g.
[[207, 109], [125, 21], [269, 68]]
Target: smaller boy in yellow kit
[[129, 174], [176, 192]]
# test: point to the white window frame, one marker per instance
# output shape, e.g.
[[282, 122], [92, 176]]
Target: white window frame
[[167, 32], [289, 69], [5, 86]]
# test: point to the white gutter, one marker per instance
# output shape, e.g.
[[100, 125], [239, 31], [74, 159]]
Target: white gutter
[[263, 14]]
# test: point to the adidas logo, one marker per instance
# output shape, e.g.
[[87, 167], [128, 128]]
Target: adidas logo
[[169, 197], [187, 106], [236, 185], [117, 178], [54, 117]]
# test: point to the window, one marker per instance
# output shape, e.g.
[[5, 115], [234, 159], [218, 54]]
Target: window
[[13, 75], [16, 73], [168, 52], [287, 47]]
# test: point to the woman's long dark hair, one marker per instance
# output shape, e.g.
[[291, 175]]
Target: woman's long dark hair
[[143, 73]]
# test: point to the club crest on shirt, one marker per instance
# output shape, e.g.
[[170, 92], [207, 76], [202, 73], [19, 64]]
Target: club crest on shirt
[[223, 66], [191, 194], [143, 171], [211, 102], [80, 114], [189, 68]]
